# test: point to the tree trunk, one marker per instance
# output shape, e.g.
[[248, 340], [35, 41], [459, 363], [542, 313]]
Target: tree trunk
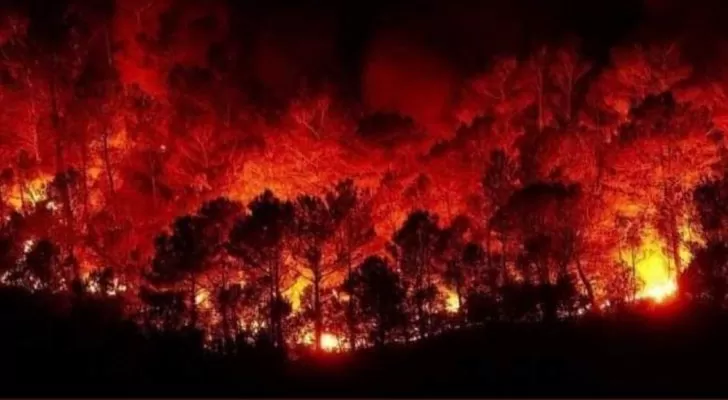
[[569, 94], [317, 323], [225, 313], [421, 315], [277, 318], [61, 173], [675, 244], [350, 318], [23, 188], [84, 179], [587, 285], [539, 87], [504, 261], [381, 332], [107, 161], [60, 164], [488, 244], [227, 341], [634, 274], [271, 313], [154, 182], [459, 290], [280, 339], [193, 310]]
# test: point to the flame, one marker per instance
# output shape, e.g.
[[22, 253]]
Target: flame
[[452, 302], [660, 292], [295, 292], [33, 192], [329, 342], [656, 279], [28, 245], [202, 299], [657, 282]]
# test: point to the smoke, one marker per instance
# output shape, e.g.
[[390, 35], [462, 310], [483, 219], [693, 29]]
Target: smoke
[[291, 50], [136, 28], [402, 76]]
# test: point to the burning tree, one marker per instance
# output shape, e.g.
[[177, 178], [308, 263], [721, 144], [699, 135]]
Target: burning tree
[[379, 298], [414, 246], [259, 241]]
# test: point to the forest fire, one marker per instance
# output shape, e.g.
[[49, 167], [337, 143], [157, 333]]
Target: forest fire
[[213, 198], [27, 194], [327, 195]]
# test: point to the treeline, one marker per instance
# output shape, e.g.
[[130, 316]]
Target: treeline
[[230, 271]]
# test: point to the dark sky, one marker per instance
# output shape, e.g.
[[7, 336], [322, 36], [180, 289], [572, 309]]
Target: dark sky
[[386, 53], [424, 48], [463, 33]]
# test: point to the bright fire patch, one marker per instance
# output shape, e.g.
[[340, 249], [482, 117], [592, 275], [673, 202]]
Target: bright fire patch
[[655, 277], [33, 192], [329, 342], [452, 303], [653, 271]]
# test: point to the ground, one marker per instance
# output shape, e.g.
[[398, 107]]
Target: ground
[[87, 351]]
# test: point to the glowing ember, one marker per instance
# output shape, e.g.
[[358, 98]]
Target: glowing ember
[[28, 245], [329, 342], [452, 303], [659, 293], [31, 193], [202, 297]]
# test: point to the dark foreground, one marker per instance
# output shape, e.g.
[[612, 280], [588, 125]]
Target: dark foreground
[[53, 348]]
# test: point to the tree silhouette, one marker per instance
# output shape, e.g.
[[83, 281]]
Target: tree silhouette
[[450, 247], [351, 210], [379, 297], [314, 226], [195, 244], [499, 182], [163, 310], [218, 218], [259, 241], [43, 265], [706, 278], [181, 257], [537, 214], [711, 203], [414, 248], [482, 283]]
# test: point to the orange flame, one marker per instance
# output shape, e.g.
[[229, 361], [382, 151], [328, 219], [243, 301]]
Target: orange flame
[[452, 302], [656, 279], [329, 342], [33, 192]]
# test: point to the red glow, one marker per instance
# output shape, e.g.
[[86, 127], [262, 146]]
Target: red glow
[[514, 173]]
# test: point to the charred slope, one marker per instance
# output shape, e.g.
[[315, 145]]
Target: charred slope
[[52, 345]]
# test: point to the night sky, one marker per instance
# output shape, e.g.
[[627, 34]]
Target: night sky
[[360, 46]]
